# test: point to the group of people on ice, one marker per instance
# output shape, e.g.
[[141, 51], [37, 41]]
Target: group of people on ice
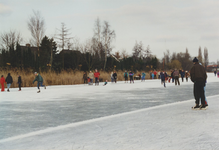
[[92, 76], [9, 80]]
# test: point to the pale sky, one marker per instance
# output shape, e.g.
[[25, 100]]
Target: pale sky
[[162, 24]]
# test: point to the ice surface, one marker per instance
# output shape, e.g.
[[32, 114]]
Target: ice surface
[[143, 115]]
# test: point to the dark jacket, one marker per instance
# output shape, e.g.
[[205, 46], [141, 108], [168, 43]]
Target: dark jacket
[[9, 79], [198, 73], [162, 76], [19, 80], [38, 78], [85, 76], [182, 74], [115, 75]]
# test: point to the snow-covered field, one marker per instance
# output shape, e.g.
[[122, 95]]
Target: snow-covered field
[[143, 115]]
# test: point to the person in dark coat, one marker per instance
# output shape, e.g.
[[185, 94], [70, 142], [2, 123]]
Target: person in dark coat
[[85, 77], [172, 76], [19, 82], [162, 77], [9, 81], [198, 77], [115, 76], [131, 76], [182, 75]]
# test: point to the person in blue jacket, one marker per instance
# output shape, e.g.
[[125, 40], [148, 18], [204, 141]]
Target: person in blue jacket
[[182, 74], [143, 76]]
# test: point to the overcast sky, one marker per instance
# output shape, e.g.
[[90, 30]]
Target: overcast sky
[[162, 24]]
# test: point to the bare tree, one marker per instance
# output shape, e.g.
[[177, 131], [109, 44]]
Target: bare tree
[[63, 36], [200, 55], [124, 54], [10, 39], [108, 36], [36, 25], [97, 35], [206, 61], [89, 53]]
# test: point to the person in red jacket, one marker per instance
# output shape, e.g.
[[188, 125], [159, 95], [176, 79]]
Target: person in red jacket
[[96, 75], [155, 74], [2, 81]]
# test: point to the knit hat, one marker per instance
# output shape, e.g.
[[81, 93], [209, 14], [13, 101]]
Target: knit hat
[[195, 60]]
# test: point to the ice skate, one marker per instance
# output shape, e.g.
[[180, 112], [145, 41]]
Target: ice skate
[[38, 91], [203, 107], [196, 107]]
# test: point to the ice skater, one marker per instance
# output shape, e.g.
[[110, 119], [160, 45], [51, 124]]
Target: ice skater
[[91, 77], [96, 75], [198, 77], [85, 77], [131, 76], [176, 76], [39, 80], [115, 76], [9, 81], [19, 82], [105, 83], [162, 77], [187, 75], [143, 76], [126, 76], [2, 81], [111, 76]]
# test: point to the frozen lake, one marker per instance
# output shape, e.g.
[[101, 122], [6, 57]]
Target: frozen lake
[[27, 111]]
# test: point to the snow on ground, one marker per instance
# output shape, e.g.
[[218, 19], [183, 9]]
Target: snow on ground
[[143, 115]]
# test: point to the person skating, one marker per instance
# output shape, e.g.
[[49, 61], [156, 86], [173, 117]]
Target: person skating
[[198, 77], [19, 82], [155, 74], [176, 76], [85, 77], [162, 77], [2, 81], [105, 83], [9, 81], [143, 76], [39, 80], [126, 76], [187, 76], [96, 75], [131, 76], [91, 77], [115, 76], [215, 72], [111, 76], [182, 75], [172, 76]]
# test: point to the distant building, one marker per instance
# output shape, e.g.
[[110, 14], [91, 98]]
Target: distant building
[[34, 50], [211, 68]]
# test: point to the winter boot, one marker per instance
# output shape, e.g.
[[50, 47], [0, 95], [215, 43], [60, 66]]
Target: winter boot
[[196, 107], [203, 107]]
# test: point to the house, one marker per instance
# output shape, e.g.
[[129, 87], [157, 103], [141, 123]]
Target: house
[[211, 68]]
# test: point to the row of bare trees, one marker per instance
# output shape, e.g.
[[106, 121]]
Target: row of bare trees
[[96, 49], [183, 60]]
